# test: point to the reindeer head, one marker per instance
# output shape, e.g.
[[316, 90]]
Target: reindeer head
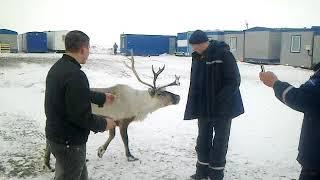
[[158, 93]]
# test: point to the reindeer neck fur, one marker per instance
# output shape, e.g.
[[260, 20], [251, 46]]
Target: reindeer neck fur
[[148, 104]]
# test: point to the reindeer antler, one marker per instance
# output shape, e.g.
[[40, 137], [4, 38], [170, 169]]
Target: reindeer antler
[[174, 83], [155, 75], [135, 72]]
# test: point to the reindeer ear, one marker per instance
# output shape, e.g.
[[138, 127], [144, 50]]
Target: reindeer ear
[[151, 91]]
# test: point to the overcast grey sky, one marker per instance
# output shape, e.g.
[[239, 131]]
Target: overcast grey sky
[[105, 20]]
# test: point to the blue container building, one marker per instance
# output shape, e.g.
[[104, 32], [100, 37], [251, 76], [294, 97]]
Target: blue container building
[[9, 38], [34, 42], [147, 45]]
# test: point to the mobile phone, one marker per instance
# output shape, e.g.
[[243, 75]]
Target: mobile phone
[[262, 68]]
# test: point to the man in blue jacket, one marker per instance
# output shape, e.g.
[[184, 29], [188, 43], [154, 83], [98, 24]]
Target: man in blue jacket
[[305, 99], [214, 99]]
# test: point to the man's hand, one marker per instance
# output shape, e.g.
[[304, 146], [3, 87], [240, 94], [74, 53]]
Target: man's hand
[[110, 124], [268, 78], [109, 98]]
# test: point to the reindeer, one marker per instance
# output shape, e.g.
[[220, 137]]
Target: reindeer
[[131, 105]]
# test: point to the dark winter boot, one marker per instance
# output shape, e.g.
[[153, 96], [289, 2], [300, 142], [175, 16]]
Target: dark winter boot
[[201, 172], [216, 174]]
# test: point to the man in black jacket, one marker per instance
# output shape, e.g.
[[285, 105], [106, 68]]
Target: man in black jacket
[[68, 109], [214, 99], [305, 99], [115, 48]]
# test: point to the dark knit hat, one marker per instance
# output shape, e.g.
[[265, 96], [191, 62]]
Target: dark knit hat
[[316, 67], [198, 37]]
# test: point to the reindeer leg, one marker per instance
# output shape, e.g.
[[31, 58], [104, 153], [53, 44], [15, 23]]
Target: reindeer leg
[[47, 154], [125, 139], [103, 148]]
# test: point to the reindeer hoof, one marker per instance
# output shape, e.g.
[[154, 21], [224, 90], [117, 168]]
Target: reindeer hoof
[[47, 167], [101, 151], [132, 158]]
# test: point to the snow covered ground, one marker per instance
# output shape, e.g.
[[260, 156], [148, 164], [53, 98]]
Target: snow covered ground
[[263, 142]]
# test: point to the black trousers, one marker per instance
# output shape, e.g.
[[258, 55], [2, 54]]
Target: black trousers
[[308, 174], [212, 141], [70, 161]]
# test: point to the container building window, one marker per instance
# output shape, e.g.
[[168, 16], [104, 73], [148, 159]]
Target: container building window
[[295, 44]]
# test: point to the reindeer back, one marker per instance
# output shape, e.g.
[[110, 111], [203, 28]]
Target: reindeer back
[[127, 102]]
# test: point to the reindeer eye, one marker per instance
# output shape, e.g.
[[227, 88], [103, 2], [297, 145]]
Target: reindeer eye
[[160, 94]]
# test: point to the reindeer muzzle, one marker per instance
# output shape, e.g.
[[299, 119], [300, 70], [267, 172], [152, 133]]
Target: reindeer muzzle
[[176, 99]]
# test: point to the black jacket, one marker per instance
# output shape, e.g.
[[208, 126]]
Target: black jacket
[[214, 84], [68, 104], [305, 99]]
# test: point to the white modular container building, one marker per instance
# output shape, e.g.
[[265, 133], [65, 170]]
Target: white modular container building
[[56, 40], [20, 42]]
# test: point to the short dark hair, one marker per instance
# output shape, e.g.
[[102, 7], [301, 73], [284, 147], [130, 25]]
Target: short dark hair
[[75, 40]]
